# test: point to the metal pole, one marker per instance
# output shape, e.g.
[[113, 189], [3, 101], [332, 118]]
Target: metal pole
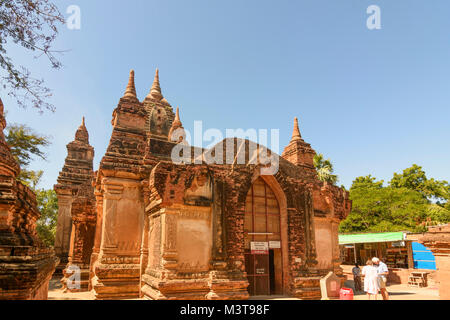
[[354, 250]]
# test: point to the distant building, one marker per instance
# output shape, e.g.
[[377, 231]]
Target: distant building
[[401, 252], [392, 247]]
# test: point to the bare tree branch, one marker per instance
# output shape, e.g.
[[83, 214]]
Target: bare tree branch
[[33, 25]]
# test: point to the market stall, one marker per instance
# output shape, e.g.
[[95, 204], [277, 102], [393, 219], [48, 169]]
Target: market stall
[[391, 247]]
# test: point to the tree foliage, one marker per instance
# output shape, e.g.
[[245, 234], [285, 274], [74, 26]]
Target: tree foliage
[[26, 145], [414, 178], [403, 205], [33, 25], [325, 169], [48, 206]]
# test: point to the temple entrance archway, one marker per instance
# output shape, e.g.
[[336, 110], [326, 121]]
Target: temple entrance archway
[[263, 240]]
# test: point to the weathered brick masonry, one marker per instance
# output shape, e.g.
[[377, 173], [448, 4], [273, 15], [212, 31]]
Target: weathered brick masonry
[[182, 231], [26, 264]]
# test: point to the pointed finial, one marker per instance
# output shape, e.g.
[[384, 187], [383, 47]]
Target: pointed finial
[[177, 122], [155, 91], [296, 133], [177, 128], [82, 133], [177, 116], [130, 92]]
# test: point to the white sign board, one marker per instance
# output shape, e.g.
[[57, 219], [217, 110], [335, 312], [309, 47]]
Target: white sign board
[[274, 244], [259, 247]]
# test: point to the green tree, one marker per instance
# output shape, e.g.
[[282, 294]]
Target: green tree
[[437, 214], [407, 203], [25, 146], [447, 205], [366, 182], [33, 25], [48, 206], [414, 178], [380, 209], [325, 169]]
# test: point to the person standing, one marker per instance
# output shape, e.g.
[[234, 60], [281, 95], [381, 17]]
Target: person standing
[[370, 280], [357, 277], [383, 272]]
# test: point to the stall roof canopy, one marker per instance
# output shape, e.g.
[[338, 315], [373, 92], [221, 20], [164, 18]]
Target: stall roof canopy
[[371, 237]]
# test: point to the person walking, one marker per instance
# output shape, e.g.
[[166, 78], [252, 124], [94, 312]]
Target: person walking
[[383, 272], [370, 280], [357, 277]]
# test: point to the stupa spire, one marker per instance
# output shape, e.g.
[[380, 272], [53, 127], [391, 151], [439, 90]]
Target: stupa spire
[[296, 133], [155, 91], [82, 134], [176, 125], [177, 117], [130, 92]]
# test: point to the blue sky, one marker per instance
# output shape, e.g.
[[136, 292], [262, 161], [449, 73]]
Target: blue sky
[[374, 101]]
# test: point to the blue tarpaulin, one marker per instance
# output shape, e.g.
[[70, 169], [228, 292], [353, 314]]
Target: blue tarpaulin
[[423, 257]]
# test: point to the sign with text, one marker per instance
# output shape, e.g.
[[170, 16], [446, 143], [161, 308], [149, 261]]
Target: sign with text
[[274, 244], [398, 244], [259, 247]]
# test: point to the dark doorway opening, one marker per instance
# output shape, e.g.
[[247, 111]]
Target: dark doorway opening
[[272, 272]]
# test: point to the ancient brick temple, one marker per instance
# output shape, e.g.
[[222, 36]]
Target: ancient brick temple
[[26, 264], [76, 210], [204, 230]]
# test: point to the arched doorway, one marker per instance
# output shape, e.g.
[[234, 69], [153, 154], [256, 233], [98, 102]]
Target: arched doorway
[[263, 253]]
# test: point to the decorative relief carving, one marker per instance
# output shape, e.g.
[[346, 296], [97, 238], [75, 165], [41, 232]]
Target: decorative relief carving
[[110, 224], [119, 260], [188, 267], [195, 213], [155, 238], [171, 232], [217, 212]]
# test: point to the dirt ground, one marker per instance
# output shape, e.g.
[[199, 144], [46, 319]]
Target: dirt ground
[[55, 292], [401, 292], [396, 292]]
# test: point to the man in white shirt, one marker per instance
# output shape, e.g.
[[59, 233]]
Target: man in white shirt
[[383, 272]]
